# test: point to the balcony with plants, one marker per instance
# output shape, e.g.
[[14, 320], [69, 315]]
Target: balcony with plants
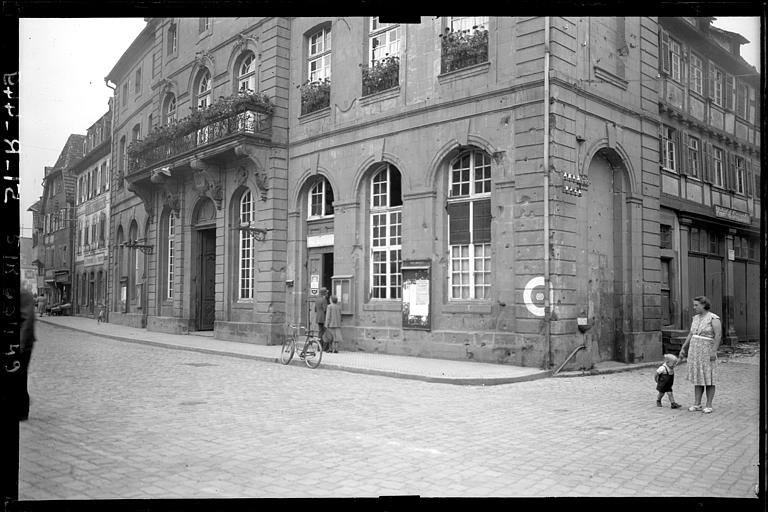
[[243, 115], [463, 48], [383, 75], [315, 95]]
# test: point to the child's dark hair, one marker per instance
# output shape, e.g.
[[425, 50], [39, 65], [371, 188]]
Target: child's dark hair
[[334, 299]]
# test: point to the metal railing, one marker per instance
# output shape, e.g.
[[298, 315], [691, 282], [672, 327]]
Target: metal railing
[[250, 122]]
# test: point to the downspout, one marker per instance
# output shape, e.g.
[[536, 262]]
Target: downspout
[[108, 275], [547, 304]]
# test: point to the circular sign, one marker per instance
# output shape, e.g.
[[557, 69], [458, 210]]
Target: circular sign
[[536, 306]]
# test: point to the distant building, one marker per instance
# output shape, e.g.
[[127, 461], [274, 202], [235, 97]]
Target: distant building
[[709, 143], [28, 268], [57, 213], [38, 249], [92, 198]]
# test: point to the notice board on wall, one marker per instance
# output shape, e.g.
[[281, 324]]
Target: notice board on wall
[[417, 290]]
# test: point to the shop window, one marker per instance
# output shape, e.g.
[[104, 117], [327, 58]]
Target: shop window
[[321, 200], [469, 221], [386, 234]]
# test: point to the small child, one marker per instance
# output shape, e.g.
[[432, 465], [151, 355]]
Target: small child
[[100, 318], [333, 324], [665, 378]]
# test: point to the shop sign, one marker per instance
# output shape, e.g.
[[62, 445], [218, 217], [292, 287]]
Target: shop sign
[[320, 240], [96, 259], [734, 215]]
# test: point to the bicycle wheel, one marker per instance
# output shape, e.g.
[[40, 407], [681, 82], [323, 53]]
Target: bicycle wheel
[[314, 353], [286, 353]]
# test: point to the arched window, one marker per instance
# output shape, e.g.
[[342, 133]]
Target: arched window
[[320, 200], [169, 109], [386, 234], [469, 225], [246, 247], [173, 39], [204, 90], [246, 73]]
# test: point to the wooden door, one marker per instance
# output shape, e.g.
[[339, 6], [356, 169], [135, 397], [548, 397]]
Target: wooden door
[[207, 292]]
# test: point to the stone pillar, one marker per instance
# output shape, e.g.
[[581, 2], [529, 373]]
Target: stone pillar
[[729, 331], [685, 302]]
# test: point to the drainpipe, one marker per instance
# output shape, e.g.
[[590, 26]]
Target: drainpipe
[[547, 305]]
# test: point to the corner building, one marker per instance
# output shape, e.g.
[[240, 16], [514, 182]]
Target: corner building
[[189, 204], [426, 178], [710, 178]]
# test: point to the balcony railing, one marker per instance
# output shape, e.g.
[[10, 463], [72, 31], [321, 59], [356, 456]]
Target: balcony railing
[[381, 76], [255, 122]]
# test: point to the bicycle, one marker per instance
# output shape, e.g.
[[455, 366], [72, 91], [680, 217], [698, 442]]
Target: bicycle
[[312, 352]]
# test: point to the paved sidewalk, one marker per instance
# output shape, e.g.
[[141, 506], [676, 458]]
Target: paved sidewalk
[[406, 367]]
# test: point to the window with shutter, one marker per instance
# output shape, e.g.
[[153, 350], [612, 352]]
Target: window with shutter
[[748, 172], [730, 91], [751, 113], [469, 226], [682, 153], [665, 55], [706, 165]]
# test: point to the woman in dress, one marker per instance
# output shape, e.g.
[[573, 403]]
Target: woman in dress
[[704, 340]]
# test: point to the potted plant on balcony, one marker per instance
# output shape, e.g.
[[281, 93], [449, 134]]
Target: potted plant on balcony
[[383, 75], [463, 48], [315, 95]]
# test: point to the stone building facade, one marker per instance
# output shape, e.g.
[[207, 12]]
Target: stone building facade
[[92, 175], [198, 201], [57, 214], [437, 177], [710, 177], [441, 172]]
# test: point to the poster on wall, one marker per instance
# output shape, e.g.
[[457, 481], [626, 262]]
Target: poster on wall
[[416, 294]]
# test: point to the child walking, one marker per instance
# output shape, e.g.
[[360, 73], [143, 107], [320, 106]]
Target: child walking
[[665, 378], [333, 324]]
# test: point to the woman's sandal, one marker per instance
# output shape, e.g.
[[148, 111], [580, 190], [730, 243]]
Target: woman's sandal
[[707, 410], [694, 408]]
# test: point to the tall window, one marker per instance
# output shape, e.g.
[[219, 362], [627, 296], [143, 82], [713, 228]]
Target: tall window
[[125, 93], [246, 74], [136, 133], [668, 148], [169, 109], [102, 228], [717, 87], [121, 156], [169, 255], [204, 90], [730, 91], [247, 248], [384, 40], [740, 175], [469, 226], [386, 234], [172, 39], [697, 82], [321, 199], [674, 59], [693, 156], [137, 80], [741, 99], [105, 170], [319, 55], [717, 165], [203, 25]]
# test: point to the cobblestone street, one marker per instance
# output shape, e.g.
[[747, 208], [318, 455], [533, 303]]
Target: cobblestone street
[[111, 419]]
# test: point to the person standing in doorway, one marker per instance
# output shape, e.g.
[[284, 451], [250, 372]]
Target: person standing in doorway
[[321, 304], [703, 341]]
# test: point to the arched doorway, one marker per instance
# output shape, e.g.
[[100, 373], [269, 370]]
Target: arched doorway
[[317, 215], [203, 266], [606, 246]]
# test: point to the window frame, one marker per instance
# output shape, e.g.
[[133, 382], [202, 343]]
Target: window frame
[[172, 38], [717, 86], [693, 148], [377, 29], [246, 270], [740, 173], [169, 115], [392, 230], [696, 74], [324, 196], [204, 77], [675, 58], [137, 82], [249, 77], [322, 56], [718, 167], [473, 197]]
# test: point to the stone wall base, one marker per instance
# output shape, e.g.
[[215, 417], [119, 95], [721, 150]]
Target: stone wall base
[[136, 320], [250, 332], [168, 324]]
